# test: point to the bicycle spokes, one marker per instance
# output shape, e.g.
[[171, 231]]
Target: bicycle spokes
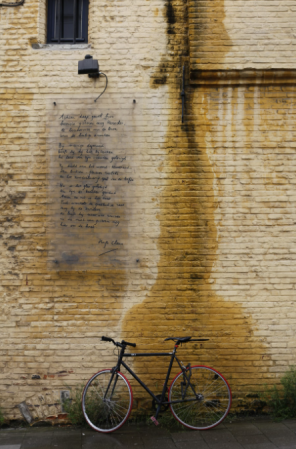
[[107, 401], [203, 402]]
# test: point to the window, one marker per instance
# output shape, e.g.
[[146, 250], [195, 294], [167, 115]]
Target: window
[[67, 21]]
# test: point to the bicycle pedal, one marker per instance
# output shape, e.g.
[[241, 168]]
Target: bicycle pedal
[[154, 420]]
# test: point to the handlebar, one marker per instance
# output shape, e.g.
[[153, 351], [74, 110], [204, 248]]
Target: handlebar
[[107, 339], [128, 344], [123, 343]]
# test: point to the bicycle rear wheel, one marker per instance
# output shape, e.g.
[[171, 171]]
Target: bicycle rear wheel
[[107, 401], [203, 403]]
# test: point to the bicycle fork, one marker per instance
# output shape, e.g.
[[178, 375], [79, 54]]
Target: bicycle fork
[[109, 385]]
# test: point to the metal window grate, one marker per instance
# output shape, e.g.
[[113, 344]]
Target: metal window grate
[[67, 21]]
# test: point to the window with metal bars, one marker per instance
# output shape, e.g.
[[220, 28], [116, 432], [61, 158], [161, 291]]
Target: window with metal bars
[[67, 21]]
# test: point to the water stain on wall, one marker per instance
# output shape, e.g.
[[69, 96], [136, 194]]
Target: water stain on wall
[[59, 308], [208, 38], [182, 301]]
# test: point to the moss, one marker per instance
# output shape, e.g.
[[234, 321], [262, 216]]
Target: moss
[[2, 419]]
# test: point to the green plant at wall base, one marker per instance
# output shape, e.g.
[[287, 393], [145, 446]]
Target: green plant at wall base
[[167, 421], [1, 418], [282, 399], [73, 406], [93, 405]]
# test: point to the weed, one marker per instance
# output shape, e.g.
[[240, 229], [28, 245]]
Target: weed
[[167, 421], [281, 400], [94, 409], [73, 406], [139, 416], [2, 419], [165, 418]]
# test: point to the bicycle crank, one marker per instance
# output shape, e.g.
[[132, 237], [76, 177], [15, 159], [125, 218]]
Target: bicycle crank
[[163, 407]]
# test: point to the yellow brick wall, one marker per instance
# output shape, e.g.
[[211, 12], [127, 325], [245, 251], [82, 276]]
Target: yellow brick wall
[[249, 34], [217, 218]]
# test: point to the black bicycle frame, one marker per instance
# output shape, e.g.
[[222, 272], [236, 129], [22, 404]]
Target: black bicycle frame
[[160, 401]]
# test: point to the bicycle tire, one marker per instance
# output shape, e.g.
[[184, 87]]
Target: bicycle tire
[[107, 409], [213, 398]]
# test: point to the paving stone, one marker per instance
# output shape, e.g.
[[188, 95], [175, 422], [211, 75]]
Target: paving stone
[[226, 445], [127, 429], [14, 440], [217, 436], [129, 439], [281, 434], [9, 446], [284, 440], [252, 439], [276, 433], [135, 446], [41, 429], [66, 430], [38, 442], [241, 429], [291, 424], [286, 447], [234, 424], [271, 427], [160, 444], [200, 444], [68, 441], [155, 433], [260, 446], [242, 435], [12, 432], [95, 440], [187, 436]]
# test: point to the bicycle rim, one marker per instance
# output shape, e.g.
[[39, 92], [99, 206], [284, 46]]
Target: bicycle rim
[[106, 406], [206, 403]]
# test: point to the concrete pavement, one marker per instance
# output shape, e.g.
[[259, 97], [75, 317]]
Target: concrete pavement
[[242, 434]]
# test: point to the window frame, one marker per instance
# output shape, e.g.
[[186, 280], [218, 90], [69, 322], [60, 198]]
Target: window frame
[[51, 24]]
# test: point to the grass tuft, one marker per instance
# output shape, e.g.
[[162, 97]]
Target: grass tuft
[[281, 400], [2, 419], [73, 406]]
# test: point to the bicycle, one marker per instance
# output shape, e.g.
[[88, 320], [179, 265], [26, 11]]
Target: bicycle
[[199, 396]]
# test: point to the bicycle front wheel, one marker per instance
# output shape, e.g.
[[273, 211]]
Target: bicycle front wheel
[[107, 401], [202, 402]]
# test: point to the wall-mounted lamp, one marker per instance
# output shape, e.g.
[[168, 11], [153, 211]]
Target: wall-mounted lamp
[[89, 66]]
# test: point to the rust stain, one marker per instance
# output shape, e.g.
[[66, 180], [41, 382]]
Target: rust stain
[[182, 301], [207, 32]]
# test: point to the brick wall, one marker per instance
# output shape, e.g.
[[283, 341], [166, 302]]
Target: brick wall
[[216, 215], [234, 34]]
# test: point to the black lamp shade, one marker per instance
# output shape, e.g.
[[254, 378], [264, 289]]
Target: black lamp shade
[[88, 66]]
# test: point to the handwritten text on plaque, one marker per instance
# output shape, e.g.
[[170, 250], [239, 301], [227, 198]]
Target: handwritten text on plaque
[[90, 177]]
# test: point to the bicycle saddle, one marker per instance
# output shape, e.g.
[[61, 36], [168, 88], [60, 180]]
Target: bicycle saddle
[[185, 339], [180, 339]]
